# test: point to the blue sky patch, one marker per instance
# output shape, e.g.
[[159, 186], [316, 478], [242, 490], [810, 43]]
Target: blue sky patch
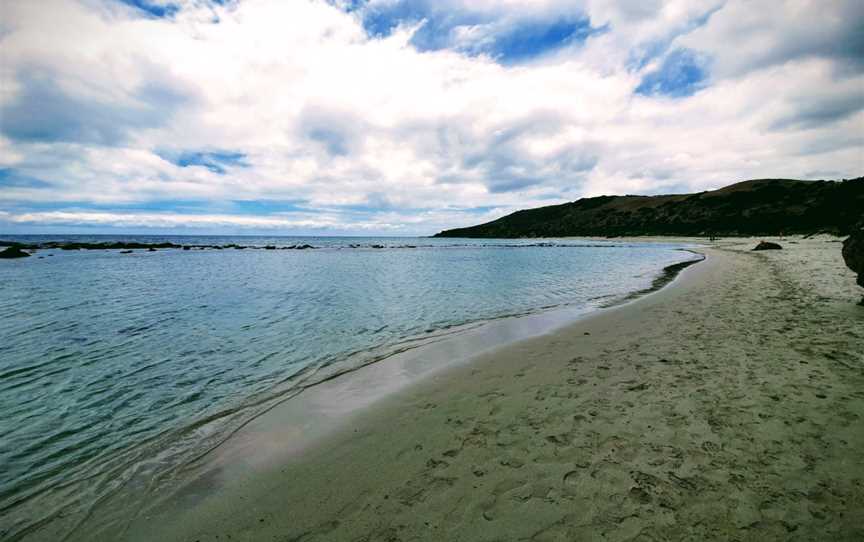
[[164, 10], [507, 42], [10, 177], [534, 38], [215, 161], [154, 9], [682, 73]]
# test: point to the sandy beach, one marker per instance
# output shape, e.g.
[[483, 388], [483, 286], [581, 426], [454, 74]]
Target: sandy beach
[[431, 271], [727, 406]]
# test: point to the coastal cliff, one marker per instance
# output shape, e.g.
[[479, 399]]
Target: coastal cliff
[[756, 207]]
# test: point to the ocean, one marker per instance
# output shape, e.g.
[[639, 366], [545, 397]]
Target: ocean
[[116, 370]]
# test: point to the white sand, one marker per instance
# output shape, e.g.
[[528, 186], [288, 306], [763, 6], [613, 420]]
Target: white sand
[[728, 406]]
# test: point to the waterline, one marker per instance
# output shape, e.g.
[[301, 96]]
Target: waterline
[[121, 371]]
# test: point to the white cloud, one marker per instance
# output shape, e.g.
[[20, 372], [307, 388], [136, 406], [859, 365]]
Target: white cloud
[[175, 220], [372, 133], [744, 36]]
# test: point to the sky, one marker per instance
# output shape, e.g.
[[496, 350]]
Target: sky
[[400, 117]]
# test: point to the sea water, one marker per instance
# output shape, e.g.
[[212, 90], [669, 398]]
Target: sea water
[[116, 370]]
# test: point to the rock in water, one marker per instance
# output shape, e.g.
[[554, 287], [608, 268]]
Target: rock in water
[[853, 254], [13, 252], [767, 245]]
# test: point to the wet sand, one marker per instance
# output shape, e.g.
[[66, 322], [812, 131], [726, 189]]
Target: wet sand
[[727, 406]]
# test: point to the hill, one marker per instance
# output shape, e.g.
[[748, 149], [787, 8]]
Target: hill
[[756, 207]]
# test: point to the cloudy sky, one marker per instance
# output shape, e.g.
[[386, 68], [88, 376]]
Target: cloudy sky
[[403, 117]]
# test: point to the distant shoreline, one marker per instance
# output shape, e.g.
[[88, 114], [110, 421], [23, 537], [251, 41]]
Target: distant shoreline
[[131, 246]]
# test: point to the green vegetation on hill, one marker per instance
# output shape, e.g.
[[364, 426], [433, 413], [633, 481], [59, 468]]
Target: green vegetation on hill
[[757, 207]]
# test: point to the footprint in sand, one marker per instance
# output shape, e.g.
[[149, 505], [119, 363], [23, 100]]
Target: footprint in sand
[[710, 447], [570, 483], [639, 495]]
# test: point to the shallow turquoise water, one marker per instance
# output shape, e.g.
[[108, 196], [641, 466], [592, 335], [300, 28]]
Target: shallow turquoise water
[[119, 369]]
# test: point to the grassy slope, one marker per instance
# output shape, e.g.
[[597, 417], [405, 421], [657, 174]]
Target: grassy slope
[[756, 207]]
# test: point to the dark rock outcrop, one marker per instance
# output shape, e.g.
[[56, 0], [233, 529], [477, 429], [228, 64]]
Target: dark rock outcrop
[[767, 245], [853, 254], [13, 252], [66, 245], [763, 207]]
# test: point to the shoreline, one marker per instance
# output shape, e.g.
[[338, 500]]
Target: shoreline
[[458, 343], [666, 276], [303, 419], [354, 474], [297, 423]]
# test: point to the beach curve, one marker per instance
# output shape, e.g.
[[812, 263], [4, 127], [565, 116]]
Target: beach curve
[[727, 406]]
